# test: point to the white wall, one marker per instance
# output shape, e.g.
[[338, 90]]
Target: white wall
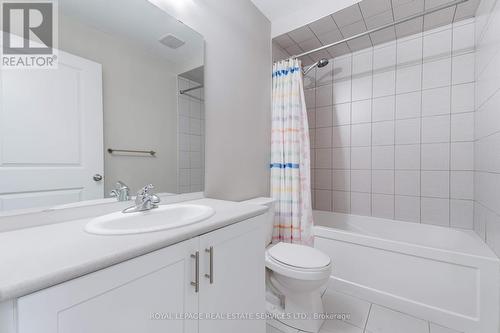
[[392, 129], [237, 93], [487, 130], [140, 106]]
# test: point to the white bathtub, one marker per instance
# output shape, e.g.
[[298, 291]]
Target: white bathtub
[[447, 276]]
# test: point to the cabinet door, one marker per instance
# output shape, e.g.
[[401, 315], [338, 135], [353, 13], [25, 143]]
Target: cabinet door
[[131, 297], [238, 280]]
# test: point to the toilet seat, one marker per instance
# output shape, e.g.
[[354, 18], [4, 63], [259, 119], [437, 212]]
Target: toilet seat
[[298, 261]]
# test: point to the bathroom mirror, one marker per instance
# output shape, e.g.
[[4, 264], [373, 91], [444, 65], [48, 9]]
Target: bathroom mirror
[[124, 103]]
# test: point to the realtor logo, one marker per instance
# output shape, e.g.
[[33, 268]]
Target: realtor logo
[[29, 34]]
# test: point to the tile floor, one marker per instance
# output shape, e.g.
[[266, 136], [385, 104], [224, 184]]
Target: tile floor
[[366, 317]]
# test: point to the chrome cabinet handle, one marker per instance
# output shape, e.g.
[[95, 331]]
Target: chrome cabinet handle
[[97, 177], [210, 276], [196, 283]]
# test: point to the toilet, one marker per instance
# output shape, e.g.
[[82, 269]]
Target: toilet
[[296, 276]]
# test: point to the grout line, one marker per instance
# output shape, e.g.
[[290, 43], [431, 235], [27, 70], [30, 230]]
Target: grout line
[[371, 144], [366, 27], [350, 143], [368, 317], [451, 128], [395, 121], [421, 118]]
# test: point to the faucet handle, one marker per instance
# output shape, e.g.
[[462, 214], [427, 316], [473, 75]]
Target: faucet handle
[[121, 185], [145, 190]]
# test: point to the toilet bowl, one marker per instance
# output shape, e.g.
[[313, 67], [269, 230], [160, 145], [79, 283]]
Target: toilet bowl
[[297, 274], [295, 279]]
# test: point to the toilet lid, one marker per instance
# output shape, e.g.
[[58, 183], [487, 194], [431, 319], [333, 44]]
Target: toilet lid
[[299, 256]]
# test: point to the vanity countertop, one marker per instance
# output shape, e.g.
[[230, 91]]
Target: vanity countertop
[[36, 258]]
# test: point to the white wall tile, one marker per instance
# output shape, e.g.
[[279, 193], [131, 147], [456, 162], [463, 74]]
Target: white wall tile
[[462, 185], [341, 114], [435, 184], [407, 208], [408, 131], [399, 126], [323, 158], [436, 101], [407, 182], [323, 117], [383, 133], [383, 181], [462, 156], [435, 211], [383, 206], [463, 98], [324, 75], [384, 58], [462, 127], [361, 135], [324, 96], [362, 62], [383, 108], [408, 157], [463, 38], [361, 157], [383, 157], [341, 136], [342, 67], [409, 51], [322, 179], [435, 129], [341, 92], [435, 156], [342, 202], [341, 180], [408, 105], [463, 68], [436, 74], [361, 111], [361, 203], [361, 87], [437, 45], [408, 79], [323, 200], [384, 83], [462, 214], [323, 137], [341, 158], [361, 181]]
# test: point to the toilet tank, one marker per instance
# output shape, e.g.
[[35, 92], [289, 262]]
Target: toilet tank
[[270, 203]]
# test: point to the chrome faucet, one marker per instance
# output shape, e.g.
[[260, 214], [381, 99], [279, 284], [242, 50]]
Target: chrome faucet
[[121, 192], [144, 200]]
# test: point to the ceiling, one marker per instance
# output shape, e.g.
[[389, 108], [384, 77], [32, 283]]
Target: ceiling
[[138, 21], [367, 15], [286, 15]]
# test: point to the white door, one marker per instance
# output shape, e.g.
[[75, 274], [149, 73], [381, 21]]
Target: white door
[[238, 278], [138, 296], [51, 134]]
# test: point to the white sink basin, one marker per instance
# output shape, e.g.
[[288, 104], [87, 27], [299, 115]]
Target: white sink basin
[[158, 219]]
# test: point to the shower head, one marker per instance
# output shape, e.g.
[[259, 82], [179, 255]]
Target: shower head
[[321, 63]]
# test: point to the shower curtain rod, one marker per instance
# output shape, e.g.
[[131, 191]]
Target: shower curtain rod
[[182, 92], [403, 20]]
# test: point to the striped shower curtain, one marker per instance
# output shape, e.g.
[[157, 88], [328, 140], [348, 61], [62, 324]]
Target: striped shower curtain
[[290, 156]]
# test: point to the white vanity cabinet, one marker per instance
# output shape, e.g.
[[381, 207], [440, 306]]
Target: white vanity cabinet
[[218, 273]]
